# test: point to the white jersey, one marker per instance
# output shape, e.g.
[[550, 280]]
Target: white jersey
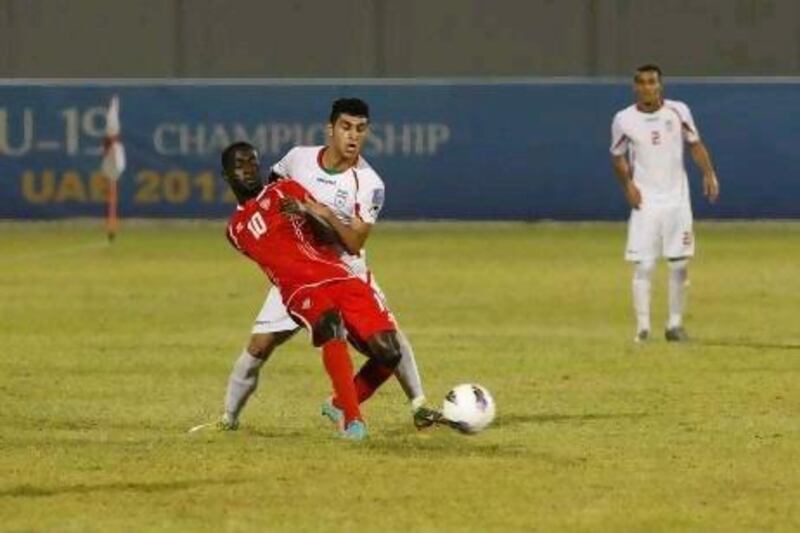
[[654, 144], [356, 192]]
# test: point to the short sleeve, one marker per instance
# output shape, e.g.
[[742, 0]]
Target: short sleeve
[[619, 141], [689, 128], [370, 198], [284, 166]]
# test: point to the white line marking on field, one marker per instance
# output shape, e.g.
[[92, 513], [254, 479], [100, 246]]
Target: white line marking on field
[[200, 426]]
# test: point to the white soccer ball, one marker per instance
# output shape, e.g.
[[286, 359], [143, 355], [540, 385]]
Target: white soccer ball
[[470, 406]]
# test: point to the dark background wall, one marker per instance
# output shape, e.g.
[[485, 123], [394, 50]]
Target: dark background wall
[[404, 38]]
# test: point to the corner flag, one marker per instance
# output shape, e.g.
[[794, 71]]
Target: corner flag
[[113, 163]]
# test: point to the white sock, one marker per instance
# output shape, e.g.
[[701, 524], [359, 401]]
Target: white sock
[[678, 287], [642, 274], [407, 373], [241, 383]]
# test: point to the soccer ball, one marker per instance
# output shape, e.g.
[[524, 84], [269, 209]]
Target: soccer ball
[[469, 407]]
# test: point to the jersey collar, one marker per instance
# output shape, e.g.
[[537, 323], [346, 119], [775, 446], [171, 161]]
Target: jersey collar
[[328, 171]]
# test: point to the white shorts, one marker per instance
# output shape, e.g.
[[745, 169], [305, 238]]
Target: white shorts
[[274, 317], [660, 231]]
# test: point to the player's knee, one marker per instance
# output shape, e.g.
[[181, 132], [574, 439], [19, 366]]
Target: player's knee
[[679, 270], [360, 345], [329, 327], [262, 345], [385, 348], [644, 270], [678, 264]]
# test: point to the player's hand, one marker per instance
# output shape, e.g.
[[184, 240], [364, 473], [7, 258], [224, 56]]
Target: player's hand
[[292, 206], [711, 186], [633, 195]]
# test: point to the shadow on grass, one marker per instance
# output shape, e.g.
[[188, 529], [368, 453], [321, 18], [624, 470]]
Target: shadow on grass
[[443, 442], [448, 448], [463, 447], [93, 424], [746, 343], [30, 491], [275, 433], [98, 430], [517, 419]]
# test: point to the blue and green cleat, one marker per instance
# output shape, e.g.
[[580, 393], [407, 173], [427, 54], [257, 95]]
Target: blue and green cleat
[[334, 414], [356, 430]]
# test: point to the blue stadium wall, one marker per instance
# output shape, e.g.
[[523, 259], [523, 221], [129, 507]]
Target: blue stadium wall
[[513, 150]]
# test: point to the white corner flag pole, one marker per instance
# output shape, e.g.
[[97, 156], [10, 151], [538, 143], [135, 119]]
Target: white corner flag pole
[[113, 164]]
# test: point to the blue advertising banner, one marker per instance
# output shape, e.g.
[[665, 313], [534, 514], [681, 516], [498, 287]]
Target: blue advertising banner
[[519, 150]]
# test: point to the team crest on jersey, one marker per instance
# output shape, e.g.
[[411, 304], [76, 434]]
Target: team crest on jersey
[[340, 200], [239, 227], [306, 304], [265, 203], [669, 125]]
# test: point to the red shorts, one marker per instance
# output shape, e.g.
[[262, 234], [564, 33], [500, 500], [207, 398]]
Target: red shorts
[[363, 312]]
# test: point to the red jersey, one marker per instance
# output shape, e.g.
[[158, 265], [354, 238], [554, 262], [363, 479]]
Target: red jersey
[[283, 245]]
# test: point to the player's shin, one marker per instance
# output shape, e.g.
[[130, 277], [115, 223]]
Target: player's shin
[[385, 355], [407, 372], [242, 382], [642, 276], [337, 363], [678, 289], [370, 377]]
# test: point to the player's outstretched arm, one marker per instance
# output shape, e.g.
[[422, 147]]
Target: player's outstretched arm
[[703, 160]]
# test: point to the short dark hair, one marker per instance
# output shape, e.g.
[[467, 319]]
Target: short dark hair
[[350, 106], [649, 67], [230, 150]]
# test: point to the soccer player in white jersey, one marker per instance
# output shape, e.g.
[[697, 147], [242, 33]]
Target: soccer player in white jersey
[[647, 140], [350, 195]]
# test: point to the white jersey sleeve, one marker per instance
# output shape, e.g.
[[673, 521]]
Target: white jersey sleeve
[[619, 141], [370, 196], [282, 167], [688, 127]]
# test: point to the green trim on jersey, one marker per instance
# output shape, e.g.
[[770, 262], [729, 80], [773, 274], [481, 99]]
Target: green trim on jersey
[[330, 171]]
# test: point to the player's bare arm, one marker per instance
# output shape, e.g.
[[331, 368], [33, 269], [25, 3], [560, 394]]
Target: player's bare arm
[[327, 226], [622, 169], [352, 236], [703, 161], [321, 228]]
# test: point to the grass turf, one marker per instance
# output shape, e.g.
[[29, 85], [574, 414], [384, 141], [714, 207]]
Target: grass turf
[[108, 354]]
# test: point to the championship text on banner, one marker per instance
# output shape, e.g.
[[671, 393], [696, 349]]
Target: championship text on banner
[[518, 150]]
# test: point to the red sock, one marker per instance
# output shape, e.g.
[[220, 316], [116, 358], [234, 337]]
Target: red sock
[[371, 376], [340, 369]]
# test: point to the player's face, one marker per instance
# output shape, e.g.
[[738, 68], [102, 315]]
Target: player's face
[[245, 165], [348, 134], [647, 86], [246, 170]]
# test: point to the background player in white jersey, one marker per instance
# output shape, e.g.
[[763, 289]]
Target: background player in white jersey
[[647, 141], [350, 195]]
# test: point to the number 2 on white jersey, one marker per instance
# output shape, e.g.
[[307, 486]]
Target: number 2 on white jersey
[[256, 225]]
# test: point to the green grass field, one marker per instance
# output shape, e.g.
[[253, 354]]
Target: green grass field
[[108, 354]]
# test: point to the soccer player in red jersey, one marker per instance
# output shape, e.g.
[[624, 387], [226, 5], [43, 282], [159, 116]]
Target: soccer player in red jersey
[[273, 227]]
